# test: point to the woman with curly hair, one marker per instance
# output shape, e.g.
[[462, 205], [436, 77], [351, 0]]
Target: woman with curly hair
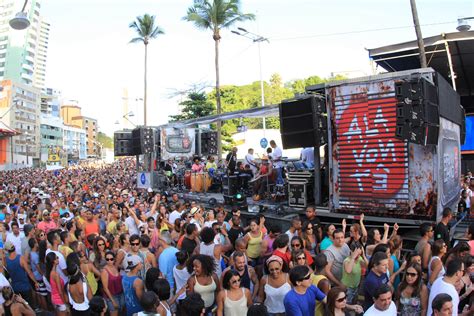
[[203, 280]]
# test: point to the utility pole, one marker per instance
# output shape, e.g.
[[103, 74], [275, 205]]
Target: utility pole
[[419, 37]]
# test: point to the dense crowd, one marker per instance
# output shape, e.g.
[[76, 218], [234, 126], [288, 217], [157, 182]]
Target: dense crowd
[[84, 241]]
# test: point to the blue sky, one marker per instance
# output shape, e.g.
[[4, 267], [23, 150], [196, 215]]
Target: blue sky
[[91, 61]]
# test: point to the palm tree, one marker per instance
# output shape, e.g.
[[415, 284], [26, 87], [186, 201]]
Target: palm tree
[[146, 29], [215, 15]]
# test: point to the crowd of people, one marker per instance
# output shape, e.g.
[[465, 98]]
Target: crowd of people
[[84, 241]]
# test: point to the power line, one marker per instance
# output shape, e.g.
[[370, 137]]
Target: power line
[[355, 32]]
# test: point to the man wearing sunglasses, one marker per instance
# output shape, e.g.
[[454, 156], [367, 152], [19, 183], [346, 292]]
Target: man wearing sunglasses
[[301, 300]]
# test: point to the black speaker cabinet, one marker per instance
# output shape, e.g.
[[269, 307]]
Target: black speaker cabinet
[[302, 122]]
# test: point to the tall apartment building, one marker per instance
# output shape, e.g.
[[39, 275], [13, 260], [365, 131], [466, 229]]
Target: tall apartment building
[[23, 54], [20, 110]]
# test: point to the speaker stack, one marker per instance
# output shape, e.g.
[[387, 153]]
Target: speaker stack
[[143, 140], [417, 111], [208, 143], [303, 122], [123, 144]]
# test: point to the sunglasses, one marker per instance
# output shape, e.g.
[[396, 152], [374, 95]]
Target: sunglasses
[[134, 243], [309, 228], [235, 281], [296, 245], [342, 299], [306, 277], [301, 258], [410, 274], [100, 245], [109, 259]]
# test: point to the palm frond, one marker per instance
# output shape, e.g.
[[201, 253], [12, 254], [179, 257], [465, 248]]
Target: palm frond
[[146, 28]]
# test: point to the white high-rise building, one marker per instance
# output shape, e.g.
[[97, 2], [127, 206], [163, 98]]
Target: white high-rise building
[[23, 54]]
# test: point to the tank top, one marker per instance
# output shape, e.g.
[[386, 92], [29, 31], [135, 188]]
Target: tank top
[[207, 292], [396, 267], [168, 312], [420, 245], [274, 296], [91, 280], [269, 243], [56, 298], [114, 283], [235, 308], [79, 306], [316, 278], [6, 309], [441, 272], [18, 276], [254, 246], [244, 278], [131, 300], [410, 306], [209, 251]]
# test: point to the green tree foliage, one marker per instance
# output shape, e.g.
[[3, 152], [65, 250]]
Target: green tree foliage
[[235, 98], [106, 141], [215, 15], [196, 105]]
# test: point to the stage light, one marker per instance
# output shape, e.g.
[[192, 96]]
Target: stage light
[[238, 196]]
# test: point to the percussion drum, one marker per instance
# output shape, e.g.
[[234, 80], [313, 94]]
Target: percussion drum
[[200, 182], [187, 179]]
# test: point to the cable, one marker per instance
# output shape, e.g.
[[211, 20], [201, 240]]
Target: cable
[[355, 32]]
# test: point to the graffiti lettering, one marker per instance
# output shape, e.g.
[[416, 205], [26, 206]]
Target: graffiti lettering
[[368, 150]]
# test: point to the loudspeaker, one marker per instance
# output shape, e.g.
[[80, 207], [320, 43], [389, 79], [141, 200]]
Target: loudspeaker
[[143, 140], [123, 144], [208, 143], [425, 134], [417, 111], [230, 185], [302, 122]]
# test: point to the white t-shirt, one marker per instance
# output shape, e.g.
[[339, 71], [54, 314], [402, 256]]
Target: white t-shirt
[[307, 154], [132, 226], [440, 286], [277, 153], [16, 241], [174, 215], [249, 160], [61, 265], [392, 311]]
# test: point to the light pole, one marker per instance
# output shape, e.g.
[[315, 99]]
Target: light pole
[[463, 24], [256, 39], [20, 21], [126, 116]]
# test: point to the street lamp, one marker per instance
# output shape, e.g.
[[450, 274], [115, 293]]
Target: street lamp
[[20, 21], [126, 116], [463, 24], [256, 39]]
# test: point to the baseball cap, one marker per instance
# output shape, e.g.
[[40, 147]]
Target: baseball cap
[[133, 261], [150, 190], [45, 213], [9, 246]]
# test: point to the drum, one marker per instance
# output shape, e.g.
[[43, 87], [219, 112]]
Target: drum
[[187, 179], [200, 182], [197, 180]]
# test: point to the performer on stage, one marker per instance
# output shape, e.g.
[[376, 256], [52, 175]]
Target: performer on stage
[[307, 155], [211, 165], [231, 161], [277, 163], [197, 166], [262, 178], [249, 160]]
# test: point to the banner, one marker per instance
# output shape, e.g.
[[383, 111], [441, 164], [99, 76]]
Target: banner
[[177, 143]]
